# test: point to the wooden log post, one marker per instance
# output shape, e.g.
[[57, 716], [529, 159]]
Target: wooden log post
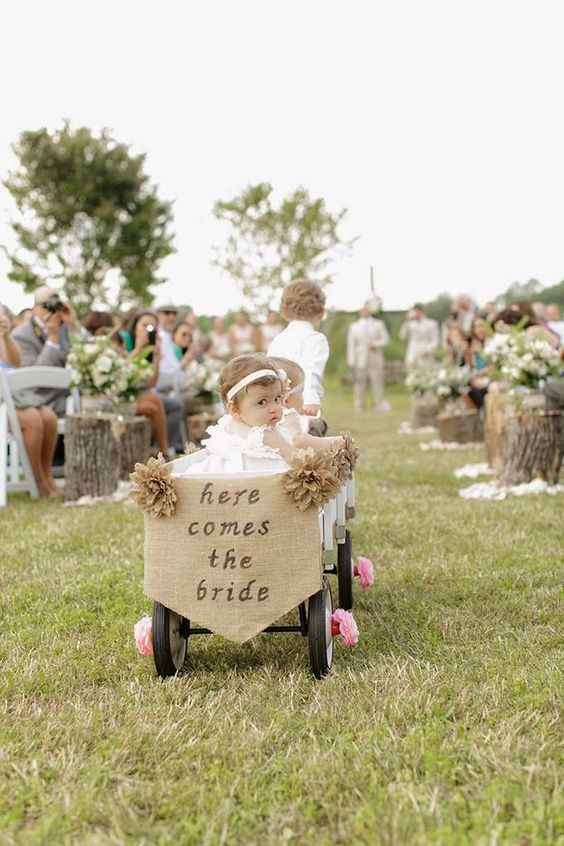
[[100, 450], [424, 411], [532, 447], [134, 443], [92, 456], [460, 428]]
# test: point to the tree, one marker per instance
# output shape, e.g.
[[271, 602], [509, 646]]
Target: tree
[[439, 308], [270, 245], [87, 215], [520, 291]]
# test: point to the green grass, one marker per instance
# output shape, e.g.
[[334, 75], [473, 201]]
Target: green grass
[[441, 727]]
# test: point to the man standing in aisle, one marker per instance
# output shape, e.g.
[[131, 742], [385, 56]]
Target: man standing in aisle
[[422, 336], [366, 340]]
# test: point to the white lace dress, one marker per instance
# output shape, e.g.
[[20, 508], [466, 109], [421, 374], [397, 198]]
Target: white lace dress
[[234, 447]]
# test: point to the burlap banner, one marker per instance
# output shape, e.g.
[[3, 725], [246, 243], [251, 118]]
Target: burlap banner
[[236, 555]]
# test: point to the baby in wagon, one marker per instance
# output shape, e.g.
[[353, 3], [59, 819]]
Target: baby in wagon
[[253, 435]]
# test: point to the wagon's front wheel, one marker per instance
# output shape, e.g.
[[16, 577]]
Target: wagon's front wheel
[[170, 640], [319, 631]]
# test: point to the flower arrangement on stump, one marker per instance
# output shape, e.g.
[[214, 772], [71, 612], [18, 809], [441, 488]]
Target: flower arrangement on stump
[[100, 371]]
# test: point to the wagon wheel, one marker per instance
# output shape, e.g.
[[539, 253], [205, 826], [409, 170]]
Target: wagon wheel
[[345, 572], [170, 640], [319, 631]]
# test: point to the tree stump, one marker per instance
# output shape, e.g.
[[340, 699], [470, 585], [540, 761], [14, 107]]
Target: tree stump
[[495, 414], [134, 443], [424, 411], [460, 428], [532, 447], [100, 450]]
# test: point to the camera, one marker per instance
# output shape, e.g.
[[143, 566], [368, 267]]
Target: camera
[[54, 304], [152, 338]]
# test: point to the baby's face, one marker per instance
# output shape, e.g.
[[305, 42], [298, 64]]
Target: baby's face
[[259, 405]]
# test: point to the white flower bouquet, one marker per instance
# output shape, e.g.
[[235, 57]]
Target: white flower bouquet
[[100, 370], [421, 380], [202, 379], [523, 359], [451, 382]]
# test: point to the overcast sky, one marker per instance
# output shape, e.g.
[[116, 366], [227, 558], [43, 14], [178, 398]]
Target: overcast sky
[[439, 125]]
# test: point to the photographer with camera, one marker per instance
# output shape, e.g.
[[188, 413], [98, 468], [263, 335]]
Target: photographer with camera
[[44, 340]]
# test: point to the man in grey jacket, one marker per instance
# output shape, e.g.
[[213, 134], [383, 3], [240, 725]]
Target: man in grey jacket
[[44, 340]]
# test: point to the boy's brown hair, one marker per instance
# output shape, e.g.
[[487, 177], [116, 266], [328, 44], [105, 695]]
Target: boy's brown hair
[[294, 372], [241, 366], [302, 300]]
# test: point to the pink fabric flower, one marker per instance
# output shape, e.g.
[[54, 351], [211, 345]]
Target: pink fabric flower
[[143, 632], [364, 570], [344, 625]]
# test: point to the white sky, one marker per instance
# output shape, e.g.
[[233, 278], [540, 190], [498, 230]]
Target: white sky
[[438, 124]]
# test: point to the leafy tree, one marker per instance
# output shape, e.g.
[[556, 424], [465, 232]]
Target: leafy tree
[[519, 291], [439, 308], [87, 215], [270, 245]]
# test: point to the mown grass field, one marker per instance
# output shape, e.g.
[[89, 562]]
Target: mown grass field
[[442, 726]]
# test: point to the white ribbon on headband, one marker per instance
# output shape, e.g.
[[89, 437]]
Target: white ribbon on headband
[[254, 377]]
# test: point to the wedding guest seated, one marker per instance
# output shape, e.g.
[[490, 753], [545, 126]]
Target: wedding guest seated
[[479, 380], [95, 321], [37, 422], [184, 349], [554, 320], [456, 342], [220, 346], [21, 317], [143, 336], [44, 340], [242, 335]]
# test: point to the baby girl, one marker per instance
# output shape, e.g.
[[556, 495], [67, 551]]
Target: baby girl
[[253, 436]]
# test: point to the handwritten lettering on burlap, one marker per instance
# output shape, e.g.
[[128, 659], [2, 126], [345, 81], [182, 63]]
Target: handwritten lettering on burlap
[[236, 555]]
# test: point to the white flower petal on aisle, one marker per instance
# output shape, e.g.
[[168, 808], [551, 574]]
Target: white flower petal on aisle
[[494, 492], [472, 471]]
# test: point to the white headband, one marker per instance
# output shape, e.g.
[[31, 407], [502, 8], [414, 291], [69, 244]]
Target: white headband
[[254, 377]]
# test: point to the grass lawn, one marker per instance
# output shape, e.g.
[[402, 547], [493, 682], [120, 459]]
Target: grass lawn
[[442, 726]]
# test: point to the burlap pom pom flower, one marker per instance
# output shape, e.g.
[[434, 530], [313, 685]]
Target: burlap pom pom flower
[[311, 480], [153, 490], [345, 458]]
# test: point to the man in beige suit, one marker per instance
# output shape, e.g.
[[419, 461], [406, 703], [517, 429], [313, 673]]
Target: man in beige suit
[[366, 340]]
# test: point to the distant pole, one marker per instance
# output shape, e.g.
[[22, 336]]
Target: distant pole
[[372, 280]]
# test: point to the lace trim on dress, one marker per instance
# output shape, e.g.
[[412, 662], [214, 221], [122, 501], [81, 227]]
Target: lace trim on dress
[[255, 446], [226, 443]]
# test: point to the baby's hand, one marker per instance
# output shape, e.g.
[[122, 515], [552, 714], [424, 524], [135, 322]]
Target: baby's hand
[[301, 441]]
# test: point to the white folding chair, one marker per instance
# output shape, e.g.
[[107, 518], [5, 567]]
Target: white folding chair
[[15, 469]]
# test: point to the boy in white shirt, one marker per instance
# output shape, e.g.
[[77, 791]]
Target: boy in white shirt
[[303, 306]]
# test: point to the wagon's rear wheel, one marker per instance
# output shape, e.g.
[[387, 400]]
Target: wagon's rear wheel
[[170, 640], [345, 572], [319, 631]]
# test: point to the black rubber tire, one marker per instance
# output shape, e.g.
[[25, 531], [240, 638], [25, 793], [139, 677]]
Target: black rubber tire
[[344, 572], [319, 631], [169, 651]]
